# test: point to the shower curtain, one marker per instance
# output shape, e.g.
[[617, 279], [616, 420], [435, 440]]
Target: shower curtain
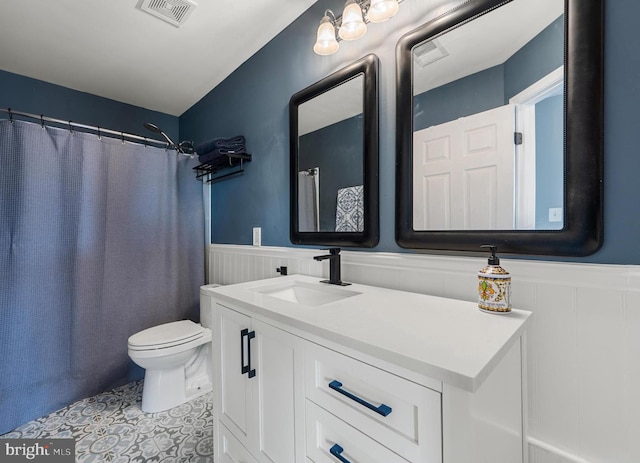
[[98, 240], [308, 212]]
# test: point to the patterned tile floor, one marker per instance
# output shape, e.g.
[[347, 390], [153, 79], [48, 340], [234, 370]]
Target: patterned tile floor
[[111, 427]]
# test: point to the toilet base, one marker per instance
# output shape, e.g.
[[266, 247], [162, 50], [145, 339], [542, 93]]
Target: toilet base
[[165, 389]]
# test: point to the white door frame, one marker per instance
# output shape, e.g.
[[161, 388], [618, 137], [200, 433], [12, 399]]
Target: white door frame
[[525, 101]]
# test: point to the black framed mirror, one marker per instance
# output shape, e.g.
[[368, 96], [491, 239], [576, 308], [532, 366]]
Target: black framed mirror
[[334, 158], [499, 128]]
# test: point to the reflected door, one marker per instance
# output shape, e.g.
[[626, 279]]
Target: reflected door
[[463, 173]]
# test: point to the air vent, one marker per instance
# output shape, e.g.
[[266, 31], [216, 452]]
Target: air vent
[[429, 52], [174, 12]]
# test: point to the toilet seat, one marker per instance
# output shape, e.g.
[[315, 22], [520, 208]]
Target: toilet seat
[[166, 336]]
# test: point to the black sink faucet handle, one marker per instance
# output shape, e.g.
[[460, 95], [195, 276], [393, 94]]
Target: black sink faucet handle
[[334, 266]]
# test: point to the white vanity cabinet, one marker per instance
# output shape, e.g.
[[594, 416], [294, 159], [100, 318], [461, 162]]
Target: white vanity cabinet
[[255, 389], [379, 376]]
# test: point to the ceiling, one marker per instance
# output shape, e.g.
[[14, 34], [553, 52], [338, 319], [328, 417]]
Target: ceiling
[[486, 41], [111, 49]]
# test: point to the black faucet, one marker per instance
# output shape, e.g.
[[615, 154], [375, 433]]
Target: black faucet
[[334, 267]]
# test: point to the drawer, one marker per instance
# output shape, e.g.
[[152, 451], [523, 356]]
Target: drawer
[[231, 450], [349, 389], [326, 433]]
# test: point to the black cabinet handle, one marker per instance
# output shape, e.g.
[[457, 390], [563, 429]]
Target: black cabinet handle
[[246, 366], [336, 451]]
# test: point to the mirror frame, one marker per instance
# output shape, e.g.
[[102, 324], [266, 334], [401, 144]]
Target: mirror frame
[[369, 237], [582, 234]]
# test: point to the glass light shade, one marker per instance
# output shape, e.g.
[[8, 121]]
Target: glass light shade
[[381, 10], [353, 26], [326, 43]]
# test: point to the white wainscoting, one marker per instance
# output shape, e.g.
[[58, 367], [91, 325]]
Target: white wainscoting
[[583, 374]]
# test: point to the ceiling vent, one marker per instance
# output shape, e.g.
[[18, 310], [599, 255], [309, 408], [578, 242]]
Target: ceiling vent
[[174, 12], [429, 52]]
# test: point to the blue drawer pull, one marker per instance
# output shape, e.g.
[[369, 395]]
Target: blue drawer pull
[[383, 409], [336, 451]]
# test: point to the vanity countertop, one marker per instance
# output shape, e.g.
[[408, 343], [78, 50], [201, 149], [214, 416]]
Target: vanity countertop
[[449, 340]]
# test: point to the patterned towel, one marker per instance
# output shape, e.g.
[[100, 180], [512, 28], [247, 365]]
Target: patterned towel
[[350, 209]]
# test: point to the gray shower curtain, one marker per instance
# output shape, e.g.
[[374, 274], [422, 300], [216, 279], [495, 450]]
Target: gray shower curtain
[[98, 240], [308, 219]]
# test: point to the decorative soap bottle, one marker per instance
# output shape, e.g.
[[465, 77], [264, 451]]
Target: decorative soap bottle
[[494, 286]]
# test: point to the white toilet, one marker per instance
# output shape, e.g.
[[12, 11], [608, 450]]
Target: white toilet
[[177, 358]]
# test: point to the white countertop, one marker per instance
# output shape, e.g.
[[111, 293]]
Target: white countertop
[[446, 339]]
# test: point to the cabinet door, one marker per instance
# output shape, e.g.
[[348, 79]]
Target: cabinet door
[[231, 451], [234, 393], [275, 399]]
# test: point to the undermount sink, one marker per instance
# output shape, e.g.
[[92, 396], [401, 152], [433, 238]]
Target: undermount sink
[[305, 293]]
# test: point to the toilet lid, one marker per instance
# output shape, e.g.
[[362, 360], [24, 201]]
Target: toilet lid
[[166, 335]]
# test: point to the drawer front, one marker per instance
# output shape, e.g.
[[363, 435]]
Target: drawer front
[[231, 450], [327, 434], [398, 413]]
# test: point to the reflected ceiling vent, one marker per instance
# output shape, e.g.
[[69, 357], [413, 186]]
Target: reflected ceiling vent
[[429, 52], [174, 12]]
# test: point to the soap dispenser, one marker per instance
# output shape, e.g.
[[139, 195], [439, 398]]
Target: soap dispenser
[[494, 286]]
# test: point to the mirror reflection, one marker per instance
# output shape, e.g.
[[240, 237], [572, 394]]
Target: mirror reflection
[[330, 160], [488, 122], [333, 127]]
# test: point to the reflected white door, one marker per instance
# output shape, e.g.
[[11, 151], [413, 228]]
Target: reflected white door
[[463, 173]]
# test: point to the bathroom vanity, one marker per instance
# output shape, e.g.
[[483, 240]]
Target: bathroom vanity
[[310, 372]]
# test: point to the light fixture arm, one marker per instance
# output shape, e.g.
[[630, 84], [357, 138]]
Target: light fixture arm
[[332, 17]]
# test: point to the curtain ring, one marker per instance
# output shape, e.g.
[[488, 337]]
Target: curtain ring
[[122, 137], [41, 121], [99, 134], [10, 115], [70, 128], [145, 142]]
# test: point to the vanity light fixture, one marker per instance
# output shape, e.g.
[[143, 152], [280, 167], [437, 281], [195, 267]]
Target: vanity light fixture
[[326, 41], [381, 10], [352, 24]]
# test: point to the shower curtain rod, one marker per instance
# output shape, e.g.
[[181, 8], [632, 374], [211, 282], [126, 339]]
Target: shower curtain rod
[[70, 124]]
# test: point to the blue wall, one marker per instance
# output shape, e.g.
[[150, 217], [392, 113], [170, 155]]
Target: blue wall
[[254, 101], [37, 97], [549, 160], [472, 94]]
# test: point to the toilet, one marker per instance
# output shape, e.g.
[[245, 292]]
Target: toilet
[[177, 360]]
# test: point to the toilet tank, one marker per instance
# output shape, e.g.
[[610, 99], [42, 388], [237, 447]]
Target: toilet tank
[[206, 309]]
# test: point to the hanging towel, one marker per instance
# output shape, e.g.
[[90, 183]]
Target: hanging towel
[[350, 209], [235, 143]]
